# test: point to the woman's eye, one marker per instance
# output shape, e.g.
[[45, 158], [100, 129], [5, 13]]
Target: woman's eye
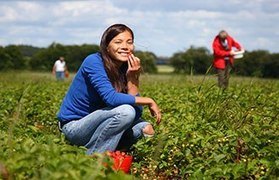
[[130, 42]]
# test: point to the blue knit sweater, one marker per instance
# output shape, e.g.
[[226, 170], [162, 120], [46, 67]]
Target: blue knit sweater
[[91, 90]]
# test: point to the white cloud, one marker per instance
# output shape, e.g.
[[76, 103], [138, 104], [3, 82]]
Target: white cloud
[[160, 26], [7, 14]]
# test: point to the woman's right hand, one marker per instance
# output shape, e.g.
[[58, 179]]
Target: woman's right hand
[[134, 67]]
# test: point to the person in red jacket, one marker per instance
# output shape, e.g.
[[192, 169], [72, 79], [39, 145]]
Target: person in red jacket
[[224, 48]]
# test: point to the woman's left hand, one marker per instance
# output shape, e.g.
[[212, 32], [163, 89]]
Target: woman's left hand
[[155, 111], [134, 67]]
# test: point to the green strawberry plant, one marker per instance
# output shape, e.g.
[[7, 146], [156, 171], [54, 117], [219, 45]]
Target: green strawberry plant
[[205, 133]]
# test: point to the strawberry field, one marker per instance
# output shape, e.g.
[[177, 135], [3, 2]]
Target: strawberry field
[[205, 133]]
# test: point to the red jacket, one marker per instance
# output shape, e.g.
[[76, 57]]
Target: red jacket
[[220, 52]]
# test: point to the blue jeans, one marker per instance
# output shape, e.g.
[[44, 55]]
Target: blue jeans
[[105, 129], [60, 75]]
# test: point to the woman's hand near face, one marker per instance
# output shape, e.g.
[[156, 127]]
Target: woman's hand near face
[[134, 67], [133, 74]]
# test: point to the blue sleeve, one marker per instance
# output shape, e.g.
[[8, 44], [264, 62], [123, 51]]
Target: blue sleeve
[[94, 68]]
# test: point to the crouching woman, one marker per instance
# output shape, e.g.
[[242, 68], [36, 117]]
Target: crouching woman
[[102, 108]]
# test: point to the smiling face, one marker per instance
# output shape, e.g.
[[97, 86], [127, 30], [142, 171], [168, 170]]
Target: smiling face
[[121, 46]]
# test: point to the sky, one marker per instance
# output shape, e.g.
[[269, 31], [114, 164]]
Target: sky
[[163, 27]]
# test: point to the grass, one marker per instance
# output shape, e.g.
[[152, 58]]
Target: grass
[[165, 69], [205, 132]]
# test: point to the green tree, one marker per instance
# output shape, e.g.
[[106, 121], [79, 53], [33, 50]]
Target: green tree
[[252, 63], [76, 54], [5, 62], [148, 61], [27, 50], [44, 59], [271, 66], [178, 61], [194, 60], [12, 58]]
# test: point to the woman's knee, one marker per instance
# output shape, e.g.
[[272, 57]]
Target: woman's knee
[[148, 130], [127, 113]]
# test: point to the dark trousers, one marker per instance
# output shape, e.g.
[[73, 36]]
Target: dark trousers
[[223, 76]]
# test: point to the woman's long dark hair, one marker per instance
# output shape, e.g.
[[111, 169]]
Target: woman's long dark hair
[[117, 76]]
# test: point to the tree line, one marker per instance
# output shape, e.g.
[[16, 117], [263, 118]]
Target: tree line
[[198, 60], [195, 60], [25, 57]]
